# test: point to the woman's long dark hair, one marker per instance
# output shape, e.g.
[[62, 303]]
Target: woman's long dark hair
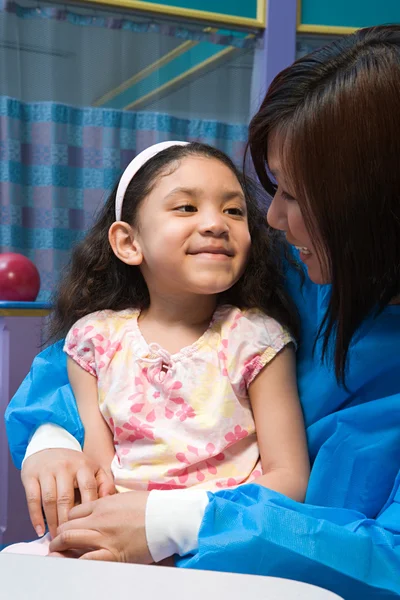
[[336, 112], [98, 280]]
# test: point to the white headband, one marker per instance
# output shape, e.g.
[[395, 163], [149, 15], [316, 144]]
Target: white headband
[[134, 167]]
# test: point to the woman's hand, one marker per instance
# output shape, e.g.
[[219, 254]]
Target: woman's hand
[[52, 477], [111, 529]]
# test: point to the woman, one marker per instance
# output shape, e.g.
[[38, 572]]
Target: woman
[[326, 145]]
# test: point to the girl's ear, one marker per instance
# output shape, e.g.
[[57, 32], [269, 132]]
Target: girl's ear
[[124, 243]]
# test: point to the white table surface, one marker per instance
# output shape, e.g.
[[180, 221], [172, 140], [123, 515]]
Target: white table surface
[[25, 577]]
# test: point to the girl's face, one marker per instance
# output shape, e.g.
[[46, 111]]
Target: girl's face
[[192, 230], [285, 214]]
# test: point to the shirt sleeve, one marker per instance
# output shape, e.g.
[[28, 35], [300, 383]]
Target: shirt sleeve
[[49, 436], [251, 341], [84, 341], [173, 520]]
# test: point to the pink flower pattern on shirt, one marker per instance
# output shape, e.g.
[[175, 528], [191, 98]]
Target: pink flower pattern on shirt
[[179, 408], [237, 434], [185, 419]]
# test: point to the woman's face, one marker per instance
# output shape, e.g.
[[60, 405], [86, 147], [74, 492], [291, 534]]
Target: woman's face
[[285, 214]]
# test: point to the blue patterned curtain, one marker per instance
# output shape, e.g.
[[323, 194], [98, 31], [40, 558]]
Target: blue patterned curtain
[[83, 89], [58, 163]]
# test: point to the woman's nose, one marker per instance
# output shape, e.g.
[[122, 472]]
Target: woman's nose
[[277, 214]]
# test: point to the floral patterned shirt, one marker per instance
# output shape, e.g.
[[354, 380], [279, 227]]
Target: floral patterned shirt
[[184, 419]]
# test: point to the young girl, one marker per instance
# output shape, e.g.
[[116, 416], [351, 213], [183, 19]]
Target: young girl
[[178, 336]]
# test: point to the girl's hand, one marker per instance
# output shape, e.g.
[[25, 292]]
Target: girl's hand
[[52, 477]]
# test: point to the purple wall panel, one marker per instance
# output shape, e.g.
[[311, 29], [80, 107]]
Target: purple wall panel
[[279, 47], [4, 395], [25, 340]]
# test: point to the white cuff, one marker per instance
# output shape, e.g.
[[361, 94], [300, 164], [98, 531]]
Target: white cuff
[[48, 436], [173, 520]]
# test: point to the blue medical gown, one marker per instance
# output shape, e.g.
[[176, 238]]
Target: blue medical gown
[[346, 537]]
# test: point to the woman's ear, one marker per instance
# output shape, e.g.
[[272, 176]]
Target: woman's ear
[[124, 243]]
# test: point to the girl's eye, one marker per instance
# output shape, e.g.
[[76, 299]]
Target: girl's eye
[[236, 212], [186, 208]]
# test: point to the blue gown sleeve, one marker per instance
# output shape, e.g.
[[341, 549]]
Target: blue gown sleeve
[[257, 531], [44, 396]]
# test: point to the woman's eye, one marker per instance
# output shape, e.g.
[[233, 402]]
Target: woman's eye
[[287, 196], [237, 212], [186, 208]]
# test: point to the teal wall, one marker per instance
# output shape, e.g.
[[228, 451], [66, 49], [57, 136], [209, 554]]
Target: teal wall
[[349, 13], [236, 8]]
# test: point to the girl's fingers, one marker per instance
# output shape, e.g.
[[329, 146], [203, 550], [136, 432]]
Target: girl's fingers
[[75, 539], [99, 555], [105, 483], [34, 501], [67, 554]]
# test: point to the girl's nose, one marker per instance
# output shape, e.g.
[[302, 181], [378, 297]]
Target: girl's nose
[[214, 223]]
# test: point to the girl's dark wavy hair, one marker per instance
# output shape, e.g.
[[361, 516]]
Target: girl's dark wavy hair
[[336, 113], [98, 280]]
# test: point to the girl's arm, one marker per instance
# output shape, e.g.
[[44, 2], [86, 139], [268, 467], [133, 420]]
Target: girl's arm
[[98, 443], [280, 427]]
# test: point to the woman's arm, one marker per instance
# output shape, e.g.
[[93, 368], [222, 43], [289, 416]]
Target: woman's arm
[[50, 478], [52, 484], [98, 444], [45, 396], [336, 548], [280, 427], [251, 530], [43, 411]]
